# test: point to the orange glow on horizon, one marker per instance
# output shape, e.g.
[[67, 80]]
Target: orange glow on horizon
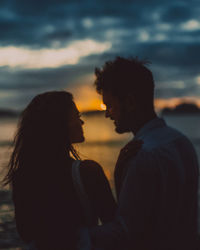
[[96, 104], [108, 174], [91, 105], [85, 95], [87, 99], [103, 106]]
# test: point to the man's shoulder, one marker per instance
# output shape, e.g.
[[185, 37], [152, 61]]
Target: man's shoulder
[[144, 162], [164, 137], [162, 148]]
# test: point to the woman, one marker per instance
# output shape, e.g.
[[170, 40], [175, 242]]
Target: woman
[[48, 210]]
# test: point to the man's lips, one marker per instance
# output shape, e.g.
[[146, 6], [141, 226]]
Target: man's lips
[[114, 121]]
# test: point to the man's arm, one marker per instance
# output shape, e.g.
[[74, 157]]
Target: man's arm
[[135, 212]]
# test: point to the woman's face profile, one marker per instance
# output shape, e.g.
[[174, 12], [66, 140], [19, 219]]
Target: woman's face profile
[[75, 126]]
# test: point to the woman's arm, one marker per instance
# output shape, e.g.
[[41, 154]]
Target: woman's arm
[[48, 213], [98, 190]]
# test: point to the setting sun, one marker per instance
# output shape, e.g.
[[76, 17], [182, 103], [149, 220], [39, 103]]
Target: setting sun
[[103, 106]]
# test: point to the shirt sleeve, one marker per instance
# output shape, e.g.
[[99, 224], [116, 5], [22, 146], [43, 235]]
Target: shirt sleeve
[[137, 201]]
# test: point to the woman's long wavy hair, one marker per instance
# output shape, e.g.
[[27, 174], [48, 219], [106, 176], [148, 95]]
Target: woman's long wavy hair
[[42, 132]]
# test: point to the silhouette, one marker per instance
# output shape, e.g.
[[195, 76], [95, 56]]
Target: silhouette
[[48, 209], [157, 183]]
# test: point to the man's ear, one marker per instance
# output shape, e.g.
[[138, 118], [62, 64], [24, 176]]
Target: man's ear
[[130, 103]]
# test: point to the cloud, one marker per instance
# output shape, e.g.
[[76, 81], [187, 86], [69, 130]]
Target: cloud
[[165, 32], [191, 25], [58, 34], [20, 86], [30, 21], [50, 58], [178, 12], [181, 55]]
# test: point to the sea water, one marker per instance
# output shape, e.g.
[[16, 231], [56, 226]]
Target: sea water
[[102, 144]]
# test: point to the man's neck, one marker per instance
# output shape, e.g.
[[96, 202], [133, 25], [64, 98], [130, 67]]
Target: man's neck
[[141, 120]]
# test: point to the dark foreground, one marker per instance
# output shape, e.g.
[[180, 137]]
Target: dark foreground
[[9, 239]]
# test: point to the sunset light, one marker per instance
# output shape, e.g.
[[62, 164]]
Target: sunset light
[[103, 106], [87, 98], [85, 95]]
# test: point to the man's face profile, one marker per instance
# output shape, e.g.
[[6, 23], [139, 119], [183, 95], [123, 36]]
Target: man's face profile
[[116, 111]]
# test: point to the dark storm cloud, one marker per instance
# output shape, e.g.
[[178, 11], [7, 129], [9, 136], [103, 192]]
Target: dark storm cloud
[[28, 22], [150, 29], [59, 34], [177, 92], [177, 13], [172, 54], [25, 84], [43, 79], [39, 24]]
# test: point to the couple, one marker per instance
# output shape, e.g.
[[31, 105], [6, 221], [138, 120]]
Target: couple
[[59, 199]]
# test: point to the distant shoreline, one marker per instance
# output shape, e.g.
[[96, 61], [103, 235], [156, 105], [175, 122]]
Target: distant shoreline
[[8, 113], [182, 109]]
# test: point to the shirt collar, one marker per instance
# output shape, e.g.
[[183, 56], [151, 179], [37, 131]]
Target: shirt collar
[[155, 123]]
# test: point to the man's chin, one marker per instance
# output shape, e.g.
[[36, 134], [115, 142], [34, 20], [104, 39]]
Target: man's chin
[[82, 139], [121, 130]]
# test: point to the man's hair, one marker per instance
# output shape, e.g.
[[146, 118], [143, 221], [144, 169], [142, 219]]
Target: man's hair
[[126, 76]]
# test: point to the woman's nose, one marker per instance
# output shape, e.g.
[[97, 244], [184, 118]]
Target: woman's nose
[[82, 122]]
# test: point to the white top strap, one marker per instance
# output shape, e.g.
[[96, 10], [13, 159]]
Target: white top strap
[[83, 197]]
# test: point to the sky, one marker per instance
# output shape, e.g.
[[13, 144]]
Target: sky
[[56, 45]]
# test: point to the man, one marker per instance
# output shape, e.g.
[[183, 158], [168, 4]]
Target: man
[[157, 187]]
